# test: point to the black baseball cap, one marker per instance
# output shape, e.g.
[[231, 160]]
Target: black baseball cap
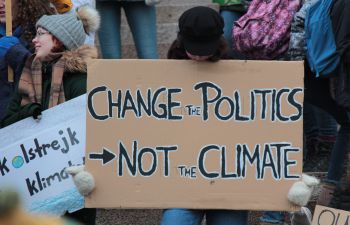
[[201, 29]]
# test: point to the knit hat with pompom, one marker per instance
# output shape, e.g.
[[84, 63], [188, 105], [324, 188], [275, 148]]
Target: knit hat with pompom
[[71, 29]]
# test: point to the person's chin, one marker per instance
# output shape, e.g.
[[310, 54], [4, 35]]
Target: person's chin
[[39, 57]]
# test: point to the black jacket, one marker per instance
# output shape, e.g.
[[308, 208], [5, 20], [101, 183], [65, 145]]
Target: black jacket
[[341, 28], [340, 85]]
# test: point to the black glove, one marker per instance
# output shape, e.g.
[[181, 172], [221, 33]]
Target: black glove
[[37, 114], [35, 111]]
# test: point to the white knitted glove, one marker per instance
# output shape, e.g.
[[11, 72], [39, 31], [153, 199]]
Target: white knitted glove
[[152, 2], [83, 180], [301, 191]]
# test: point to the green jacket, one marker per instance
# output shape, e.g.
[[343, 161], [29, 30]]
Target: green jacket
[[228, 2], [233, 5], [74, 83]]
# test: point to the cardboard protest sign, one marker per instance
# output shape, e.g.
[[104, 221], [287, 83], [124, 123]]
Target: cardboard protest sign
[[33, 157], [167, 133], [329, 216]]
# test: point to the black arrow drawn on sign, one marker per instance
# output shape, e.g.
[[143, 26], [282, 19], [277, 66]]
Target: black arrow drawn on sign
[[106, 156]]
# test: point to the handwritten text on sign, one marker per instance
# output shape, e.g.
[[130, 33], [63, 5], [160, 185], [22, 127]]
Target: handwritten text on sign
[[136, 105], [198, 121], [33, 161], [329, 216]]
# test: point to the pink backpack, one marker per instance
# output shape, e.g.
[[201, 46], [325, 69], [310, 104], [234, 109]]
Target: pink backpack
[[264, 31]]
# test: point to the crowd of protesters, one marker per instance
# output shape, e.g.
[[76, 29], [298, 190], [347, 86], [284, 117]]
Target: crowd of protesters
[[48, 37]]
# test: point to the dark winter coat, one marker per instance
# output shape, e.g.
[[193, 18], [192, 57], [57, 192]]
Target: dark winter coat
[[341, 23], [15, 57], [74, 83]]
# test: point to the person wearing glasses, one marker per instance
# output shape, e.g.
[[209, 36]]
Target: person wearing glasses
[[56, 72]]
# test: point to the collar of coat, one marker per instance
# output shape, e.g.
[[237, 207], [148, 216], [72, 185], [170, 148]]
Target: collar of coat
[[30, 84], [76, 60]]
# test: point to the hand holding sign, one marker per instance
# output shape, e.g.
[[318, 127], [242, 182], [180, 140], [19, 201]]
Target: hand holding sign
[[33, 160], [301, 191], [83, 180], [208, 134], [37, 109], [299, 194]]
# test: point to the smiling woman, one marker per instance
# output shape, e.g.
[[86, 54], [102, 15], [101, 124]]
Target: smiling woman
[[58, 69], [57, 72], [45, 43]]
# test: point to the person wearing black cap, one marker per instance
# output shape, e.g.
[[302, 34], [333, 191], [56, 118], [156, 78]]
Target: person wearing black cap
[[201, 38]]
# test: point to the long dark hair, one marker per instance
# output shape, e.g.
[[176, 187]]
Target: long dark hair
[[178, 51], [29, 12]]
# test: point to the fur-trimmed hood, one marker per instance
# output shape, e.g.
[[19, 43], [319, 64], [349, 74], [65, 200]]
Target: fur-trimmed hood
[[76, 60]]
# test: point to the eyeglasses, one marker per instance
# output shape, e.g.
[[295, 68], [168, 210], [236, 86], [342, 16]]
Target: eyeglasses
[[40, 33]]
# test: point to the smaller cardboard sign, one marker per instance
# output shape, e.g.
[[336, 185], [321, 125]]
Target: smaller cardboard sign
[[32, 161], [329, 216]]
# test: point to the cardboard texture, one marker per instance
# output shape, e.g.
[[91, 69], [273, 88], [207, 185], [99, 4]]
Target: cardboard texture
[[225, 135], [329, 216]]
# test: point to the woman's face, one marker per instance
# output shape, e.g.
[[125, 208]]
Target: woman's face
[[198, 57], [3, 12], [43, 43]]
